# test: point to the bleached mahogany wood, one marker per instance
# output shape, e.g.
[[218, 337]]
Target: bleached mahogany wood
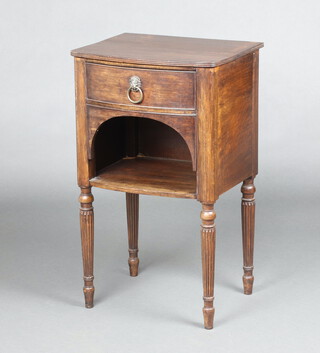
[[193, 134]]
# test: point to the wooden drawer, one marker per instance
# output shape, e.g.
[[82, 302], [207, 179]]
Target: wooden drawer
[[160, 88]]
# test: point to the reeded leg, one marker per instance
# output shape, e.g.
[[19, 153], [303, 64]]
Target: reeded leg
[[248, 217], [132, 201], [208, 237], [86, 226]]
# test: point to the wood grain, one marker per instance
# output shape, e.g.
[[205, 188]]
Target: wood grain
[[194, 135], [185, 126], [227, 137], [132, 202], [234, 138], [87, 241], [149, 176], [255, 97], [168, 51], [81, 124], [206, 136], [248, 221], [208, 238], [161, 88], [156, 139]]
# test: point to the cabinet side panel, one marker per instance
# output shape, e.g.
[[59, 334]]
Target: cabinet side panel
[[234, 83], [81, 123], [255, 99], [206, 130]]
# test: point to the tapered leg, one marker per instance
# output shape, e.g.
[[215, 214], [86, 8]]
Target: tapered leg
[[132, 201], [208, 237], [86, 226], [248, 217]]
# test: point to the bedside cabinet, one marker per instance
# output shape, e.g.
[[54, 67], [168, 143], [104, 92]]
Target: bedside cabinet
[[168, 116]]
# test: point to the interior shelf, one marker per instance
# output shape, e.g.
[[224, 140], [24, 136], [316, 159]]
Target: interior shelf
[[149, 176]]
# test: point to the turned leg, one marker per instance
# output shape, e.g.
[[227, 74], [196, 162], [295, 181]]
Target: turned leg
[[208, 237], [86, 226], [248, 215], [132, 201]]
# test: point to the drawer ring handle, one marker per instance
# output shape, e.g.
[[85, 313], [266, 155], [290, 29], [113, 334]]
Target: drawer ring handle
[[135, 86]]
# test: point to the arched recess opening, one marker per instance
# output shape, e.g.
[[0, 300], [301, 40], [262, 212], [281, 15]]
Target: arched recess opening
[[143, 156], [127, 137]]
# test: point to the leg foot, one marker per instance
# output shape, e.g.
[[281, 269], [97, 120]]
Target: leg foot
[[87, 234], [248, 220], [132, 201], [133, 262], [247, 280], [88, 291], [208, 235], [208, 312]]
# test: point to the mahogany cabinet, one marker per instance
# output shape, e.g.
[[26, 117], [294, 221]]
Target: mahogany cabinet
[[168, 116]]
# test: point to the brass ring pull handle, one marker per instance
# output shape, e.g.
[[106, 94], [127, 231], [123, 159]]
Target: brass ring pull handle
[[135, 86]]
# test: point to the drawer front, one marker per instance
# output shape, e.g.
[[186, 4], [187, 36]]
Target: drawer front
[[157, 88]]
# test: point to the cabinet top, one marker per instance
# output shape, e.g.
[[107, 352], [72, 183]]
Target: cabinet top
[[149, 49]]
